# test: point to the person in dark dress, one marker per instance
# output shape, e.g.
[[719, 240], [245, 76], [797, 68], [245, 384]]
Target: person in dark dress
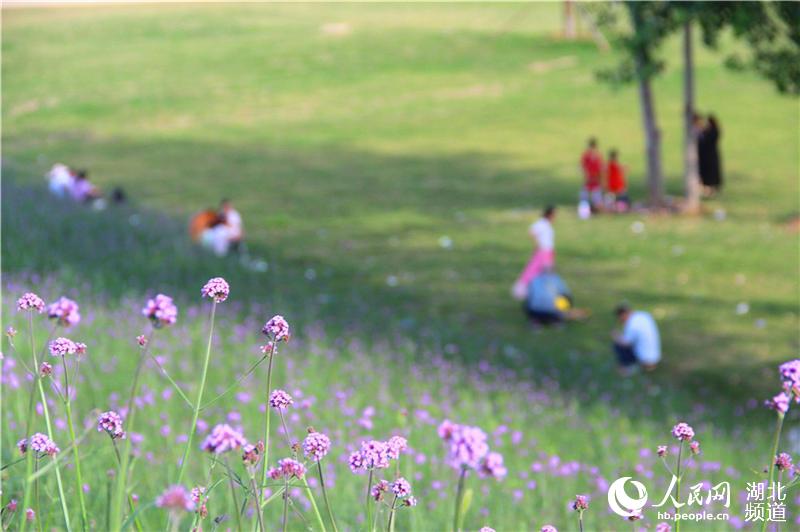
[[708, 157]]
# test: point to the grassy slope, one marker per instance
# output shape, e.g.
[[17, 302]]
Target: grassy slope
[[353, 155]]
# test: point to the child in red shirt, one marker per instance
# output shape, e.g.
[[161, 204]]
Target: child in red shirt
[[615, 182], [592, 165]]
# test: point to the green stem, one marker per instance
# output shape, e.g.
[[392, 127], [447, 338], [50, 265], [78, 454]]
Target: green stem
[[122, 479], [265, 465], [285, 503], [325, 497], [46, 410], [236, 507], [459, 497], [196, 413], [678, 476], [255, 497], [314, 505], [390, 524], [75, 451], [775, 444], [369, 506]]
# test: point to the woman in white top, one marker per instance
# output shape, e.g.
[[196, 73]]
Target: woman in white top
[[543, 256]]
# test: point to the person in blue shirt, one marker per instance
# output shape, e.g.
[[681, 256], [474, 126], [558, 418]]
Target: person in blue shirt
[[550, 301], [639, 342]]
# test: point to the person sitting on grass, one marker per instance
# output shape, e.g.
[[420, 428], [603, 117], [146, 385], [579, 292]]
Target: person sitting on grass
[[233, 221], [550, 301], [616, 186], [83, 191], [639, 342]]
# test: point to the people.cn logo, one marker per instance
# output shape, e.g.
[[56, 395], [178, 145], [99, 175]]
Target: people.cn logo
[[619, 501]]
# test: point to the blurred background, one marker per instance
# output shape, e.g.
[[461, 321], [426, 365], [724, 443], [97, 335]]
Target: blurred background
[[387, 160]]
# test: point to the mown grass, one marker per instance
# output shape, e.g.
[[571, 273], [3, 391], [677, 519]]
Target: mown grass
[[351, 156]]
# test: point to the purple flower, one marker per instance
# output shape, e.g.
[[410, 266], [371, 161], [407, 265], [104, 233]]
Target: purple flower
[[111, 423], [161, 311], [790, 371], [374, 454], [487, 529], [287, 468], [175, 499], [682, 432], [316, 445], [779, 403], [401, 488], [492, 466], [141, 340], [783, 462], [378, 489], [223, 438], [410, 501], [396, 444], [199, 499], [216, 289], [695, 447], [548, 528], [45, 369], [663, 527], [41, 445], [355, 461], [63, 346], [580, 503], [661, 451], [279, 399], [30, 515], [30, 301], [252, 453], [65, 311], [277, 328], [467, 445]]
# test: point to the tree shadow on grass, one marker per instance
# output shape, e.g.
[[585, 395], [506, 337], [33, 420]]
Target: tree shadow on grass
[[353, 240]]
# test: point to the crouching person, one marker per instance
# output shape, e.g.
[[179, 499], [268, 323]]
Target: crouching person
[[639, 342], [550, 301]]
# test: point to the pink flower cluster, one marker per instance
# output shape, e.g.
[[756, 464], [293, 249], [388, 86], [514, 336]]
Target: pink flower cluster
[[111, 423], [683, 432], [316, 446], [161, 311], [63, 346], [580, 503], [287, 468], [65, 311], [790, 377], [30, 301], [373, 454], [199, 499], [223, 438], [783, 462], [397, 445], [176, 499], [251, 454], [467, 447], [40, 443], [279, 399], [277, 329], [216, 289]]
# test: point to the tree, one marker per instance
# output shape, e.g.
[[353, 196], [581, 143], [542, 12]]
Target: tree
[[649, 23]]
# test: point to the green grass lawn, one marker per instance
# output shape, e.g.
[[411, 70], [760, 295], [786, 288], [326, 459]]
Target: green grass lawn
[[351, 155]]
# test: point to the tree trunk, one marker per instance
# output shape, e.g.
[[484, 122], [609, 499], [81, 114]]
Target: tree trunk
[[569, 20], [655, 181], [691, 175]]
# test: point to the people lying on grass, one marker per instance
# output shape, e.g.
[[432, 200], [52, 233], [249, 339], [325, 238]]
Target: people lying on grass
[[549, 301], [638, 343], [83, 191], [216, 238], [543, 256], [59, 180], [616, 185], [592, 168], [233, 220]]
